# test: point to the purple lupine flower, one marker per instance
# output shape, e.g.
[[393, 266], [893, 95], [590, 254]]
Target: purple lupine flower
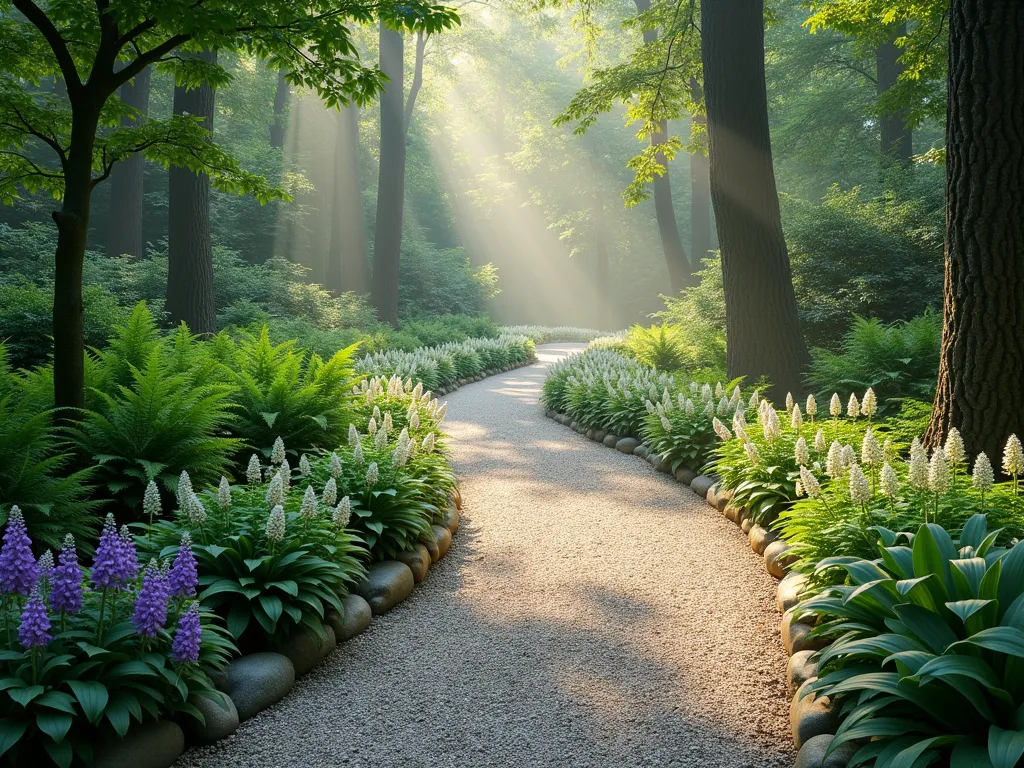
[[108, 567], [130, 558], [151, 604], [34, 631], [184, 577], [66, 582], [188, 636], [18, 570]]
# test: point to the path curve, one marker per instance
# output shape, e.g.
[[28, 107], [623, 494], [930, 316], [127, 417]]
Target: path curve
[[591, 612]]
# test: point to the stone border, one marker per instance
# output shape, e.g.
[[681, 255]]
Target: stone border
[[484, 374], [812, 721]]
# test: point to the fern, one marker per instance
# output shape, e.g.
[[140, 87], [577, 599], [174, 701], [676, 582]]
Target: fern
[[661, 346]]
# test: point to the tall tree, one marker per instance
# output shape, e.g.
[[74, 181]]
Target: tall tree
[[982, 363], [896, 134], [311, 40], [281, 94], [763, 332], [124, 232], [347, 265], [700, 187], [387, 240], [190, 296]]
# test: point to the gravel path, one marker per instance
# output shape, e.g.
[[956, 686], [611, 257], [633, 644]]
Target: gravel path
[[591, 613]]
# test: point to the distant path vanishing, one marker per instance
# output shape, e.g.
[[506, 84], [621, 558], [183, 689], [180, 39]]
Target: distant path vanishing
[[591, 613]]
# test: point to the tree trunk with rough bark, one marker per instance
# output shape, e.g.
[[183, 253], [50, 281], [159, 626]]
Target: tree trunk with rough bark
[[124, 233], [700, 193], [190, 296], [277, 128], [762, 328], [347, 267], [981, 369], [387, 241], [897, 136]]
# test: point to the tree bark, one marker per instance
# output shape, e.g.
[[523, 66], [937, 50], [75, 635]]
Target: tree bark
[[387, 241], [124, 233], [680, 272], [982, 363], [700, 193], [277, 128], [897, 136], [347, 267], [763, 331], [190, 296], [417, 79]]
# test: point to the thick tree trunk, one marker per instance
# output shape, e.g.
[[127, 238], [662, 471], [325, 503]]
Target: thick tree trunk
[[347, 267], [387, 241], [897, 136], [763, 332], [189, 248], [277, 128], [680, 273], [700, 194], [982, 364], [72, 231], [124, 233]]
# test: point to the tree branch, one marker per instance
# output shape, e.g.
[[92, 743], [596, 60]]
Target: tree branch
[[417, 80], [52, 35]]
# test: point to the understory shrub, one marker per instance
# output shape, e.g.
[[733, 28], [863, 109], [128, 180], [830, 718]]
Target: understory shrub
[[661, 346], [543, 334]]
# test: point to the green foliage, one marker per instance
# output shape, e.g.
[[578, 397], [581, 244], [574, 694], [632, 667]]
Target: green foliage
[[925, 666], [900, 360], [699, 313], [661, 346], [682, 435]]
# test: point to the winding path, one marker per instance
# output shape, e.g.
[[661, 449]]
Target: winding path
[[590, 613]]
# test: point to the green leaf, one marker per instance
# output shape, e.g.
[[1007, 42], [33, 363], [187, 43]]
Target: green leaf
[[1002, 639], [928, 627], [58, 700], [54, 724], [24, 696], [273, 606], [92, 697], [10, 732], [1005, 748], [60, 752], [287, 586], [238, 619], [968, 755]]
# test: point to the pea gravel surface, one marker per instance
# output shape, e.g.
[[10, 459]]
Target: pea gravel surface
[[591, 612]]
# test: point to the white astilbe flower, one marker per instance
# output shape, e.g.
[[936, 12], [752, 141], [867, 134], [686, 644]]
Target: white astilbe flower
[[308, 508], [955, 452], [735, 398], [223, 493], [151, 507], [739, 421], [414, 421], [860, 489], [918, 472], [330, 492], [752, 453], [739, 405], [376, 414], [441, 412], [304, 469], [417, 391], [801, 452], [853, 407], [723, 406], [810, 483], [194, 510], [414, 449], [372, 474], [666, 400], [253, 472], [353, 435], [428, 443], [835, 405], [789, 402], [371, 428], [870, 403], [720, 429], [694, 387], [812, 406], [285, 472], [983, 478], [887, 450], [681, 400], [719, 389], [755, 400], [666, 424], [335, 466], [820, 446], [342, 513], [770, 425], [705, 392], [650, 407], [184, 488], [277, 452], [889, 483], [275, 524], [388, 424], [798, 489], [709, 409], [741, 433], [797, 419], [834, 462], [275, 491], [871, 452], [689, 409], [380, 440], [938, 472], [849, 457], [370, 396], [1013, 457]]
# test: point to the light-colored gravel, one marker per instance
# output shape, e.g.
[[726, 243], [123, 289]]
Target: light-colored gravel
[[591, 613]]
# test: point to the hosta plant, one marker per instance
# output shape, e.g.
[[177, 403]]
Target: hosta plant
[[926, 666], [683, 431]]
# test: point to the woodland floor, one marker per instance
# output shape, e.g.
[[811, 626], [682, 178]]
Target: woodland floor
[[591, 612]]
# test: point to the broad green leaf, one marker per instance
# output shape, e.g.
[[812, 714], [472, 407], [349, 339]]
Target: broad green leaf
[[11, 732], [1005, 748], [92, 696], [54, 724]]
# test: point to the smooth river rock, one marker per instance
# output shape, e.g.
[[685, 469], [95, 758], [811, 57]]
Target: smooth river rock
[[760, 538], [801, 668], [418, 561], [685, 475], [450, 518], [443, 539], [386, 585], [777, 559], [354, 619], [812, 753], [610, 440], [305, 650], [790, 591], [627, 445], [641, 450], [810, 716], [221, 720], [702, 484], [151, 745], [256, 681]]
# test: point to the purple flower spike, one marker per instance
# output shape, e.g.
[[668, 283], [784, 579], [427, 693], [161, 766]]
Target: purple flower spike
[[184, 578], [151, 604], [66, 581], [130, 558], [34, 631], [108, 569], [188, 636], [18, 570]]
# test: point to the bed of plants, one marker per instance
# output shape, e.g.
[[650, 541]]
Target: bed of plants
[[543, 334]]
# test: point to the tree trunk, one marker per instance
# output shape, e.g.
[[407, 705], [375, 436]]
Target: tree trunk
[[72, 232], [680, 273], [347, 266], [762, 327], [387, 241], [417, 79], [700, 193], [277, 128], [124, 233], [897, 136], [982, 363], [189, 248]]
